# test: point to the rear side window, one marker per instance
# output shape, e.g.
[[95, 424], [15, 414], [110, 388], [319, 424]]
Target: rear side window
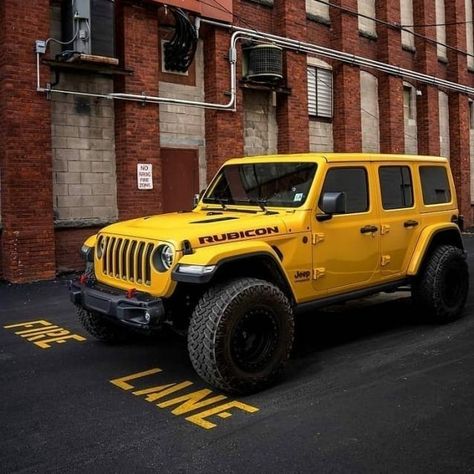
[[352, 182], [396, 187], [435, 185]]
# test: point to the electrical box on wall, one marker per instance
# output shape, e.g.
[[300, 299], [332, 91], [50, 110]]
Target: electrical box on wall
[[91, 26]]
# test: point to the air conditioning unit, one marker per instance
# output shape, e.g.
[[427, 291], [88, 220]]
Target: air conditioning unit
[[92, 25], [264, 62]]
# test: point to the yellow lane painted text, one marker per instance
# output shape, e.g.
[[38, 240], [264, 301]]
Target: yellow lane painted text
[[183, 400], [43, 333]]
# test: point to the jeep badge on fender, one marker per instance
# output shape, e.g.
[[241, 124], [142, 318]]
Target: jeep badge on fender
[[270, 236]]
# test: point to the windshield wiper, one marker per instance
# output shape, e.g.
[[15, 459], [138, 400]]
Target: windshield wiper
[[221, 201], [259, 202]]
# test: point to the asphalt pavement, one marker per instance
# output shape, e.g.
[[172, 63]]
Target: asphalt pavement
[[370, 388]]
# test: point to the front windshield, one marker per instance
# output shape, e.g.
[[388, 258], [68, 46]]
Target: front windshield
[[273, 184]]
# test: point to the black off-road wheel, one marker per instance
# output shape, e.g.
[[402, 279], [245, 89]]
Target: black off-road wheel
[[101, 329], [240, 335], [441, 290]]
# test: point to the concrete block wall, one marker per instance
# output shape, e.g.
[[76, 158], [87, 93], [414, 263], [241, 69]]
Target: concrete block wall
[[320, 136], [260, 124], [469, 33], [444, 124], [406, 16], [317, 9], [440, 7], [367, 27], [83, 144], [410, 125], [369, 100]]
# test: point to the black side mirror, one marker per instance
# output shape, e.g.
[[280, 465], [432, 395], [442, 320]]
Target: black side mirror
[[332, 203]]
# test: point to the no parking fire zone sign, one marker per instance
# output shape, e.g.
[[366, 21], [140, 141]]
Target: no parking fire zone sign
[[145, 176]]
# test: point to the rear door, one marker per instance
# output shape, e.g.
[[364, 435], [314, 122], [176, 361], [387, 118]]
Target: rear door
[[346, 248], [399, 215]]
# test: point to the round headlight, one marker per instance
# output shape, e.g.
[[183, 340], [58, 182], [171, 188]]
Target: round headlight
[[163, 258]]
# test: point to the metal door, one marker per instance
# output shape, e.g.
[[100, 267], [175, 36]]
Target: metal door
[[180, 178]]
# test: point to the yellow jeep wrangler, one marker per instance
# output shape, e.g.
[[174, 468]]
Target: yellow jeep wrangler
[[270, 236]]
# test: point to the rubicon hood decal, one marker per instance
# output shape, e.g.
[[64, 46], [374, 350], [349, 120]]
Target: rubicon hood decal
[[243, 234]]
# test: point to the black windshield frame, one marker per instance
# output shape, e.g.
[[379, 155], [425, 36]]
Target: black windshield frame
[[274, 184]]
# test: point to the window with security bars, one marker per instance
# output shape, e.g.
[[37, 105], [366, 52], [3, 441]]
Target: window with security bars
[[320, 91]]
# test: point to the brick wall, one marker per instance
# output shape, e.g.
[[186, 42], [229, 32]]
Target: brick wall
[[292, 110], [68, 243], [224, 129], [471, 151], [25, 151], [459, 136], [137, 136], [82, 150]]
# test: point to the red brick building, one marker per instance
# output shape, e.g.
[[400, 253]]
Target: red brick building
[[68, 162]]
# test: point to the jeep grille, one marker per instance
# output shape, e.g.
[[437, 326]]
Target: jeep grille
[[127, 259]]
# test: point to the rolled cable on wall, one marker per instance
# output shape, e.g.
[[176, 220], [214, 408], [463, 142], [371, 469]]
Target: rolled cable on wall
[[181, 49]]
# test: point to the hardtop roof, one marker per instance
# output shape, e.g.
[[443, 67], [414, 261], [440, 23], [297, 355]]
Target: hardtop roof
[[341, 158]]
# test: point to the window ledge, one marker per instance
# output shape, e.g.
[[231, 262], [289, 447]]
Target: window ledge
[[317, 118], [265, 3], [409, 48], [264, 86], [96, 68], [368, 34], [318, 19], [82, 223]]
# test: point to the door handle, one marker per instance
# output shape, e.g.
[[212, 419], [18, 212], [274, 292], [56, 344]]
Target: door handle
[[368, 229], [408, 224]]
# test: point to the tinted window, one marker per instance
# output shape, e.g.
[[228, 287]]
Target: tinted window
[[352, 182], [396, 187], [435, 184]]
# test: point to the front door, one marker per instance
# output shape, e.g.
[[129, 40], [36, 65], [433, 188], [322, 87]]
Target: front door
[[346, 248], [180, 178]]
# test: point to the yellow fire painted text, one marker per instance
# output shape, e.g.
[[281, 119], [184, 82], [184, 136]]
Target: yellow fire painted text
[[43, 333], [185, 401]]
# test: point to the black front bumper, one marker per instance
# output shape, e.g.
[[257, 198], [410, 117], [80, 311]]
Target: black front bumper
[[140, 311]]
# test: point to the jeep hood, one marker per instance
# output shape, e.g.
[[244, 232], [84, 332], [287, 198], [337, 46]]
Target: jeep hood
[[200, 227]]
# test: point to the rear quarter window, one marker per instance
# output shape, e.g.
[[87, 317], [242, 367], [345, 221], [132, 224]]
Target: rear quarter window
[[435, 185]]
